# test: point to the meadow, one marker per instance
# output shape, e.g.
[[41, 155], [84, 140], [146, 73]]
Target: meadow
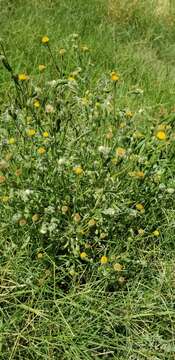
[[87, 180]]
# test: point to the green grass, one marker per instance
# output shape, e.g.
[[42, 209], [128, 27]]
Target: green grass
[[55, 304]]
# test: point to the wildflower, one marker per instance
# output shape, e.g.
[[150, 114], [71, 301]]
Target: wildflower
[[71, 78], [41, 150], [23, 77], [121, 280], [45, 39], [161, 135], [45, 134], [11, 141], [64, 209], [83, 255], [137, 174], [3, 165], [120, 152], [5, 198], [129, 114], [141, 232], [36, 104], [114, 76], [62, 51], [18, 172], [104, 260], [77, 217], [22, 222], [78, 170], [104, 150], [49, 108], [41, 67], [117, 267], [156, 233], [122, 125], [109, 135], [35, 217], [40, 255], [31, 132], [140, 207], [103, 236], [92, 223], [2, 179]]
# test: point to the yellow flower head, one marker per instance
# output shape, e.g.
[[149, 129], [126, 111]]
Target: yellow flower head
[[161, 135], [45, 134], [117, 267], [120, 152], [62, 51], [45, 40], [11, 141], [41, 150], [140, 207], [23, 77], [92, 223], [40, 255], [64, 209], [31, 132], [78, 170], [156, 233], [141, 232], [139, 174], [104, 260], [71, 78], [5, 198], [77, 217], [2, 179], [114, 76], [41, 67], [36, 104], [35, 217], [129, 114], [83, 255], [22, 222]]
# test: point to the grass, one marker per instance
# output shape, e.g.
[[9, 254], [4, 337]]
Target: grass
[[87, 181]]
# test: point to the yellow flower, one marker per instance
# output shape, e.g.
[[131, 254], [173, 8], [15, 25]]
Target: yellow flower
[[129, 114], [156, 233], [22, 222], [2, 179], [120, 152], [31, 132], [71, 78], [5, 198], [41, 67], [122, 125], [77, 217], [104, 260], [140, 207], [137, 174], [41, 150], [11, 141], [121, 280], [114, 76], [23, 77], [78, 170], [83, 255], [45, 134], [40, 255], [36, 104], [35, 217], [141, 232], [161, 135], [62, 51], [92, 223], [64, 209], [118, 267], [45, 39]]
